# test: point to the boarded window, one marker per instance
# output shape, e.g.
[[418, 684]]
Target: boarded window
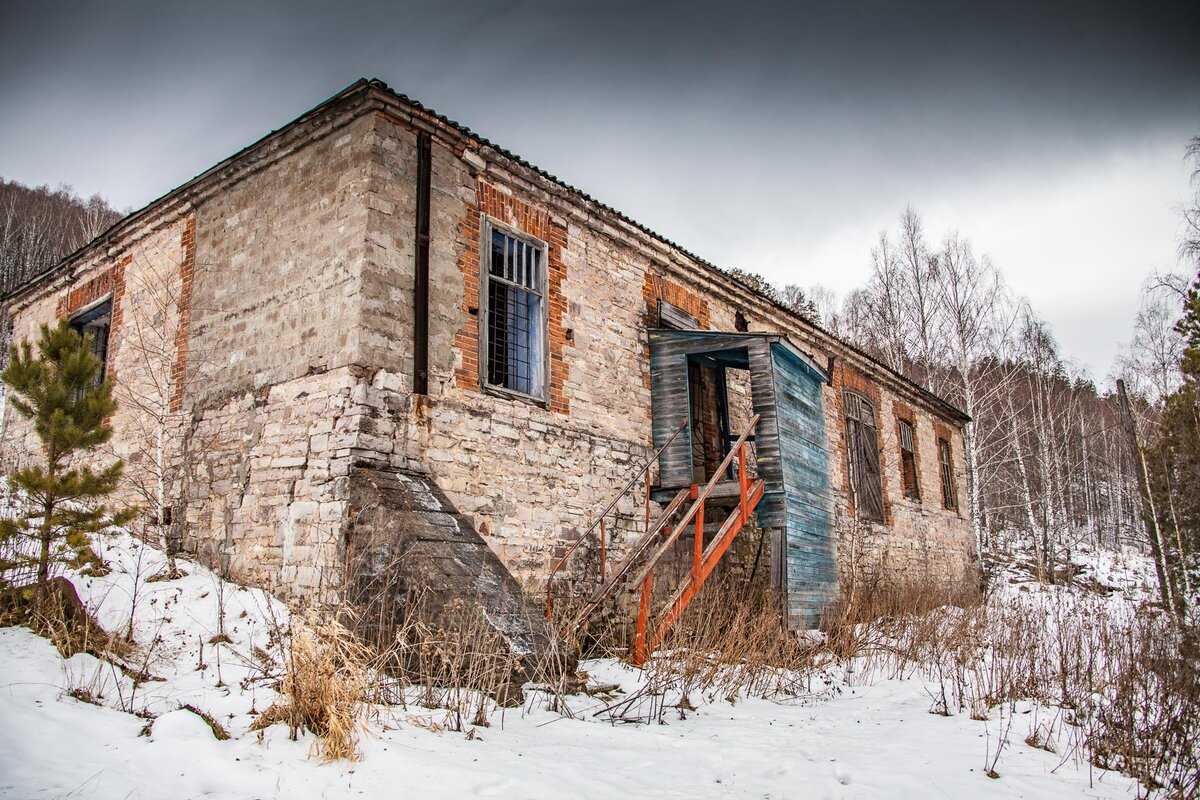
[[672, 316], [908, 460], [862, 453], [93, 326], [949, 495], [514, 302]]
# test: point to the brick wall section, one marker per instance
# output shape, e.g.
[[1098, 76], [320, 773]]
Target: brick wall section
[[94, 289], [184, 310], [655, 288], [109, 283], [500, 205]]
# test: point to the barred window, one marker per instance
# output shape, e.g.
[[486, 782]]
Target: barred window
[[949, 495], [862, 454], [513, 340], [93, 325], [908, 460]]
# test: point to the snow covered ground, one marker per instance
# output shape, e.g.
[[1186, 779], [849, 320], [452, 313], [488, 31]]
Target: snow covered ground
[[860, 738]]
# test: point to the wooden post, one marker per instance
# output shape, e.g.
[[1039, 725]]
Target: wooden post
[[698, 549], [1149, 517], [639, 639]]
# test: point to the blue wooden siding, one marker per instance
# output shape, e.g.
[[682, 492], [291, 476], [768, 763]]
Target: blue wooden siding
[[810, 572]]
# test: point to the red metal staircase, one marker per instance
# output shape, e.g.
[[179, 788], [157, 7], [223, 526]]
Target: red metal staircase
[[704, 558]]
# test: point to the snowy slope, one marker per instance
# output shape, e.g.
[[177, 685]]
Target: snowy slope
[[857, 741]]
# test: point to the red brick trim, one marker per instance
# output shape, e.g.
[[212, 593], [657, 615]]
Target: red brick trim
[[110, 282], [655, 288], [186, 268], [536, 222]]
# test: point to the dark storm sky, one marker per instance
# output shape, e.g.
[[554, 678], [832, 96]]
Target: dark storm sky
[[778, 139]]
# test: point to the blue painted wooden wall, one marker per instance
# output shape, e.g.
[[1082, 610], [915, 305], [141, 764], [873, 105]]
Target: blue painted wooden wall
[[810, 571]]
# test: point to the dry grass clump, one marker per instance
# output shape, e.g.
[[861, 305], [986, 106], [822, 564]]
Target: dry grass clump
[[731, 641], [456, 661], [326, 676], [1105, 685], [1121, 690]]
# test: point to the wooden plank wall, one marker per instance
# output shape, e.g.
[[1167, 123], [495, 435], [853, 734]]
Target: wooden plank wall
[[669, 394], [809, 561]]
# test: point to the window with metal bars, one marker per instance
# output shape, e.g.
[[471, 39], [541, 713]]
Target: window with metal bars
[[949, 494], [908, 460], [513, 304], [862, 455], [93, 326]]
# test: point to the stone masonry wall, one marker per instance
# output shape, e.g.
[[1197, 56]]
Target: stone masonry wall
[[292, 333], [261, 336], [530, 476]]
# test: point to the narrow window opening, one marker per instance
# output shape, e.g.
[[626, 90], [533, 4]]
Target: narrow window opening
[[908, 461], [949, 494], [862, 454], [514, 298]]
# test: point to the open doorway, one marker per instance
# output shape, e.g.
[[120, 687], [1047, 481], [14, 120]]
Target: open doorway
[[709, 398]]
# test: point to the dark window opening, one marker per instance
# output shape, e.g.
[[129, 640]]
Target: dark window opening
[[515, 281], [949, 495], [862, 455], [740, 323], [93, 325], [908, 461]]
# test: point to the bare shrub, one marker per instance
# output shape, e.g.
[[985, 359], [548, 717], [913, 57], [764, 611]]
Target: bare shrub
[[729, 648], [325, 679]]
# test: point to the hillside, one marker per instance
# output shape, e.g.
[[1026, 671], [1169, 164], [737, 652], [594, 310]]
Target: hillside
[[80, 727]]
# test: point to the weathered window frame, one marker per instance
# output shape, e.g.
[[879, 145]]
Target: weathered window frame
[[487, 226], [82, 322], [862, 456], [906, 441], [946, 466]]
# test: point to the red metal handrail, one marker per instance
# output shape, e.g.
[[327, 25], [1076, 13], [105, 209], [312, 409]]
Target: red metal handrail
[[704, 559], [598, 521]]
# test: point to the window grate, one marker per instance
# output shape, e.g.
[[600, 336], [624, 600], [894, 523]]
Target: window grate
[[514, 355], [908, 460], [949, 494]]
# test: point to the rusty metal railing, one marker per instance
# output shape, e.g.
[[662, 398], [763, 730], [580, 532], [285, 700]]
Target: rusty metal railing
[[704, 559], [597, 521]]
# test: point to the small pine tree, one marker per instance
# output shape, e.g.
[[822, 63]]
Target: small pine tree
[[58, 390]]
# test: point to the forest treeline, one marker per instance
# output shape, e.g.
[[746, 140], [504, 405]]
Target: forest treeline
[[1051, 464], [40, 225]]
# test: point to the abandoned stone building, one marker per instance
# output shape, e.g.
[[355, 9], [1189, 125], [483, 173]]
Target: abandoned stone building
[[375, 329]]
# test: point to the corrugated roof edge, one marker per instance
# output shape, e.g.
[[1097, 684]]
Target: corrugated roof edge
[[368, 83]]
